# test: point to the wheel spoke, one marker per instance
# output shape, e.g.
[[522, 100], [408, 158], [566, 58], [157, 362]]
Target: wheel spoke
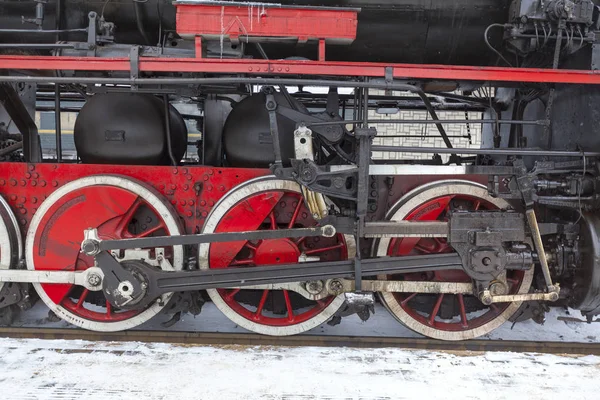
[[261, 304], [406, 300], [231, 294], [82, 298], [463, 312], [422, 248], [108, 309], [126, 218], [323, 249], [151, 230], [295, 215], [288, 305], [273, 220], [436, 308], [247, 261], [251, 246], [476, 205]]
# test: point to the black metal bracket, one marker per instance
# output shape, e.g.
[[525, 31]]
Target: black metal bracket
[[91, 38], [489, 242], [365, 138], [271, 106], [134, 65], [340, 184]]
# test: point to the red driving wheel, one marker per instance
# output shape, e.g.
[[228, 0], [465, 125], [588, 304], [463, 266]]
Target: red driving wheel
[[118, 208], [445, 316], [270, 205]]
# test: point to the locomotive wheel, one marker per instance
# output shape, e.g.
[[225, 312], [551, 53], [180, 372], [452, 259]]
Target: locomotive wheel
[[444, 316], [269, 203], [11, 247], [118, 207]]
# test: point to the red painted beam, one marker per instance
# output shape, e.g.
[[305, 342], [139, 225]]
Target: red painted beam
[[298, 67]]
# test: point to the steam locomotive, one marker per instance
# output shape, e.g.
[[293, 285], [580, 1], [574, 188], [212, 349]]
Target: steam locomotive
[[296, 206]]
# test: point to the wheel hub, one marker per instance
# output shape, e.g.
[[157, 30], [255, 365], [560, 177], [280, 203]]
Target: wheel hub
[[277, 251]]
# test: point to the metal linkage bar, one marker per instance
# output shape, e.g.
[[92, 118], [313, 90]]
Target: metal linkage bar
[[407, 169], [365, 136], [502, 152], [92, 245], [429, 122], [406, 229], [234, 277], [317, 290]]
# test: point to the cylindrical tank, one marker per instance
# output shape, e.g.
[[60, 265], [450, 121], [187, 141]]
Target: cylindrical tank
[[128, 129], [414, 31]]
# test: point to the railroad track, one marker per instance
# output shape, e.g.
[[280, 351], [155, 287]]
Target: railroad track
[[248, 339]]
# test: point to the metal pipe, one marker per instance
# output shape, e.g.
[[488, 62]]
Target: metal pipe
[[11, 148], [502, 152], [208, 81], [365, 109], [57, 124], [36, 46], [429, 122], [168, 129], [43, 31]]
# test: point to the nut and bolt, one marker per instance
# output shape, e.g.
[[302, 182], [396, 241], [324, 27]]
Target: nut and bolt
[[314, 287], [336, 286], [90, 247], [94, 280], [328, 231], [486, 298]]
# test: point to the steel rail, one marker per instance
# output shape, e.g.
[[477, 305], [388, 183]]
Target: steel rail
[[250, 339]]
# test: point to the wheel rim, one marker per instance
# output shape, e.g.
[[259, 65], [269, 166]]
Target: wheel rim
[[445, 316], [119, 208], [267, 203], [10, 238]]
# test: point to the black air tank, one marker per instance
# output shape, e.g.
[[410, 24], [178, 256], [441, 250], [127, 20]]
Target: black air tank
[[129, 129]]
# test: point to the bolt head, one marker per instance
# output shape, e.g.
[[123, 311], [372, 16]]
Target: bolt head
[[94, 279], [336, 286], [90, 247], [328, 231]]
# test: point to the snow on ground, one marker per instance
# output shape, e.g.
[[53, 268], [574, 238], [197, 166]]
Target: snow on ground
[[380, 324], [57, 369]]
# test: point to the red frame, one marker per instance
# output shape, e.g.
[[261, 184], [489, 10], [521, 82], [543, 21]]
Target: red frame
[[25, 186], [299, 67]]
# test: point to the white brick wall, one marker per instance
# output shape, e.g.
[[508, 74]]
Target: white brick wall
[[423, 135]]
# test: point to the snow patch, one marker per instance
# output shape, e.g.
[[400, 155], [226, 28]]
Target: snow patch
[[57, 369]]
